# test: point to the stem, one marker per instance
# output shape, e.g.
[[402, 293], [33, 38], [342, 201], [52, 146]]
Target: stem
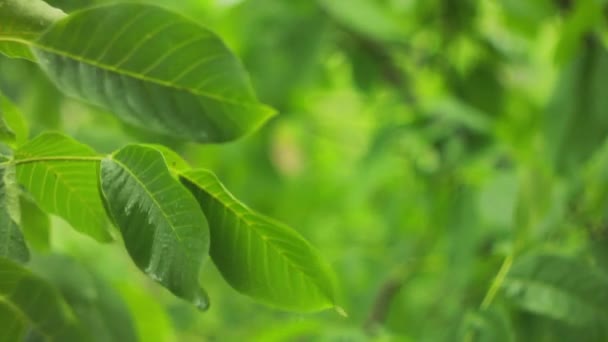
[[497, 283]]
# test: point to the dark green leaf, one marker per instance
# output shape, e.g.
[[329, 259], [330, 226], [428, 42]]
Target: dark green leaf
[[164, 230], [561, 288], [154, 69], [22, 21], [260, 257], [62, 175], [32, 302], [99, 308]]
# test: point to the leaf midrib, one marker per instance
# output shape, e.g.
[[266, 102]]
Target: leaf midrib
[[47, 162], [150, 194], [24, 317], [137, 76]]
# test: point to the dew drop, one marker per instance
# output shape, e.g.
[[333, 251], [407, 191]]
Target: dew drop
[[201, 300]]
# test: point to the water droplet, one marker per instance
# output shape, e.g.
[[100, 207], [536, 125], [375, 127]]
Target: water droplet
[[201, 300]]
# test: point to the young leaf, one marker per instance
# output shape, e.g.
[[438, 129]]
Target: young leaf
[[561, 288], [154, 69], [12, 244], [62, 175], [163, 228], [259, 257], [22, 21], [33, 303]]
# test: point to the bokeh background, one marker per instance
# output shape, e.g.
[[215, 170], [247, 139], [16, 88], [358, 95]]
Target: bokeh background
[[421, 146]]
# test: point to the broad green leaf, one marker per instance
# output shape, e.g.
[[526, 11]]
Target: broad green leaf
[[12, 244], [13, 127], [100, 310], [35, 223], [561, 288], [259, 257], [153, 69], [21, 21], [33, 303], [62, 175], [163, 228]]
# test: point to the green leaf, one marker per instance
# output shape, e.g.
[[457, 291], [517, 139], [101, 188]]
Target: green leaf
[[100, 310], [366, 17], [12, 244], [561, 288], [153, 69], [12, 122], [259, 257], [62, 175], [32, 302], [163, 228], [22, 21], [35, 223], [173, 160]]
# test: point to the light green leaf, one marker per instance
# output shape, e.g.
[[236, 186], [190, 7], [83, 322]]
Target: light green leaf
[[62, 176], [561, 288], [22, 21], [163, 228], [12, 244], [260, 257], [35, 223], [153, 69], [33, 303]]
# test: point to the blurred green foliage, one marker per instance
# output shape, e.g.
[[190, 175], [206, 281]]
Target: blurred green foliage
[[448, 157]]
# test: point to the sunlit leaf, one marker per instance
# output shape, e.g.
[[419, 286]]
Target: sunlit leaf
[[33, 303], [62, 176], [163, 228], [154, 69], [21, 22], [13, 127], [260, 257]]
